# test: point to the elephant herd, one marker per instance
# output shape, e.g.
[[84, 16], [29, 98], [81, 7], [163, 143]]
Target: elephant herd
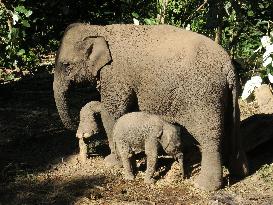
[[175, 78]]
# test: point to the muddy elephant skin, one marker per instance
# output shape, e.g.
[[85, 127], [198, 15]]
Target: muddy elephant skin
[[182, 76]]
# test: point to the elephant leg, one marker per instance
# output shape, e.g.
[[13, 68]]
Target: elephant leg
[[128, 171], [125, 153], [83, 150], [108, 123], [117, 99], [127, 166], [151, 151], [210, 177]]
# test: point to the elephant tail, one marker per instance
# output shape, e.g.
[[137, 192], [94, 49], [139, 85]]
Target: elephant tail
[[237, 161]]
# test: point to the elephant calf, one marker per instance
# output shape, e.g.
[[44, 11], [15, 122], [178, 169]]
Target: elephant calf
[[139, 131], [88, 125]]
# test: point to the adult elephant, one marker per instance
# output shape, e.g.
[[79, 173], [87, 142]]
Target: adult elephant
[[182, 76]]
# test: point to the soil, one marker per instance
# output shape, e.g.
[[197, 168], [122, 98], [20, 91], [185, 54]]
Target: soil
[[39, 158]]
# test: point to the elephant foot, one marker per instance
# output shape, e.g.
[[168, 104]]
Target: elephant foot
[[238, 166], [129, 177], [111, 161], [207, 183], [83, 157], [149, 180]]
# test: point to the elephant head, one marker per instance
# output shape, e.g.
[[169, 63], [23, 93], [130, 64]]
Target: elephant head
[[82, 53], [171, 143]]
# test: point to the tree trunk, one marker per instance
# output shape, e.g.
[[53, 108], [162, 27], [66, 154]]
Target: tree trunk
[[162, 13], [218, 33]]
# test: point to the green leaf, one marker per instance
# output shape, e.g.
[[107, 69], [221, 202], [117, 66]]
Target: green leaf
[[10, 77], [24, 34], [250, 13], [21, 52], [134, 14], [148, 21], [262, 22], [21, 9], [25, 23], [261, 6], [14, 33], [28, 13]]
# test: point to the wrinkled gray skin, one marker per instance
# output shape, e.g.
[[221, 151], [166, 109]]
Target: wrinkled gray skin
[[139, 131], [182, 76], [87, 126]]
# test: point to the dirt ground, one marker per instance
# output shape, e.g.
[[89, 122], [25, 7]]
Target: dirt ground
[[39, 165]]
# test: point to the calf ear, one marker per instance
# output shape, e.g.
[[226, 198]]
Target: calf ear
[[166, 137], [171, 136], [98, 54]]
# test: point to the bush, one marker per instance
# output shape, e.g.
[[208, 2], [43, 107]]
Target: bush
[[238, 25], [16, 55]]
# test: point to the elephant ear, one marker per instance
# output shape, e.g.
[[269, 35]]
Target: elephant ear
[[170, 136], [98, 54], [166, 136]]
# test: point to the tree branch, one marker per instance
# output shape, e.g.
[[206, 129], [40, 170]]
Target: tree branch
[[199, 8]]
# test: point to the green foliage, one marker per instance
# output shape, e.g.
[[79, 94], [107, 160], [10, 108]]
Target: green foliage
[[180, 13], [40, 25], [242, 24], [16, 56], [265, 55]]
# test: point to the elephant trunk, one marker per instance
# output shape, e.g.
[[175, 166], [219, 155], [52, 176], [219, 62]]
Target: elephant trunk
[[60, 87]]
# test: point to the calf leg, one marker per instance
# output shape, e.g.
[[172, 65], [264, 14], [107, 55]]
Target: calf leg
[[151, 151], [125, 155]]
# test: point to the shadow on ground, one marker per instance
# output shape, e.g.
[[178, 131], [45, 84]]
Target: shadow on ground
[[52, 192], [31, 133], [257, 135]]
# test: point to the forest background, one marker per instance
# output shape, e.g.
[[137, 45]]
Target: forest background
[[30, 31]]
